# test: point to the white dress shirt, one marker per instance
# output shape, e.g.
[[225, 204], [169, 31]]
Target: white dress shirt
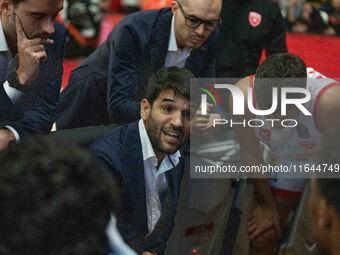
[[155, 179], [116, 242], [175, 56]]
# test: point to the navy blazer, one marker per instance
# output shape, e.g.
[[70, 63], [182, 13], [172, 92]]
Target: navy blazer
[[34, 111], [119, 69], [121, 152]]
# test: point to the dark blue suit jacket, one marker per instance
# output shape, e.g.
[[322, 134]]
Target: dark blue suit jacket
[[121, 152], [34, 111], [113, 79]]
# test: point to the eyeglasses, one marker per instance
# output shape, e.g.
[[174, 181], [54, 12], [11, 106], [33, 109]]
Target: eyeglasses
[[194, 22]]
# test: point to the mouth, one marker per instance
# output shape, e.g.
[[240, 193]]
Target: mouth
[[172, 136], [196, 40]]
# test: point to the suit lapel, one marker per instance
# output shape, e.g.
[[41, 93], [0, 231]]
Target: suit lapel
[[174, 177], [132, 161], [3, 66], [194, 60], [160, 41]]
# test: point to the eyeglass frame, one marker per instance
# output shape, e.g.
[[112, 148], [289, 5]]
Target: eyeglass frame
[[200, 21]]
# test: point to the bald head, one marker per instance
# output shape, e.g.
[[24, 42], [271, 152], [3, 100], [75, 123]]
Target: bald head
[[208, 5], [193, 19]]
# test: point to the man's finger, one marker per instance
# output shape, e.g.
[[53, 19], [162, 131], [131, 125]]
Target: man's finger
[[254, 235], [251, 222], [37, 48], [202, 120], [251, 229], [41, 55], [278, 229], [20, 31], [49, 41], [37, 41]]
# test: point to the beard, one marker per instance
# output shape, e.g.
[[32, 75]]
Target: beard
[[155, 132]]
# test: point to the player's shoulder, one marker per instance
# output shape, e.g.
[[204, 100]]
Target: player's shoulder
[[245, 83], [328, 103]]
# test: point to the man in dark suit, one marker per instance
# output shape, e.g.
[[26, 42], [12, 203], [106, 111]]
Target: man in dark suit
[[144, 157], [31, 55], [109, 84]]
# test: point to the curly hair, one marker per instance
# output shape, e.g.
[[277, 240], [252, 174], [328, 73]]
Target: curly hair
[[54, 200], [278, 70]]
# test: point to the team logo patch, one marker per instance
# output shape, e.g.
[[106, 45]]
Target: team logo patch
[[302, 131], [255, 19]]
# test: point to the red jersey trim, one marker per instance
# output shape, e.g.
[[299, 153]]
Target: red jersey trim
[[285, 193], [252, 78]]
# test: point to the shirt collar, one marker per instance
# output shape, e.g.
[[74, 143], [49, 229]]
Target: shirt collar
[[147, 150], [3, 43], [172, 41]]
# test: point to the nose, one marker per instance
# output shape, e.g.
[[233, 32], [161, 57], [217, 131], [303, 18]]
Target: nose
[[200, 29], [48, 26], [177, 120]]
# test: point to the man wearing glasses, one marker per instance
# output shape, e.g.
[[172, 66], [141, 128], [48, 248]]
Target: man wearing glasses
[[109, 84]]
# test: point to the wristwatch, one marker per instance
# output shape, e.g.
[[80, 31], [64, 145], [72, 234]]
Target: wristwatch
[[13, 81]]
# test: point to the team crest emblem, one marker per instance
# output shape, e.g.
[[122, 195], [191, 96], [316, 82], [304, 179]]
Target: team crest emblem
[[255, 19]]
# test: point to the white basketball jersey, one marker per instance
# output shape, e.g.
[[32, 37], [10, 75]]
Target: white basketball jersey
[[296, 145]]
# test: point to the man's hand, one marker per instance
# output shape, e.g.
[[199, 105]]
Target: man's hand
[[262, 219], [6, 137], [203, 123], [148, 253], [31, 52]]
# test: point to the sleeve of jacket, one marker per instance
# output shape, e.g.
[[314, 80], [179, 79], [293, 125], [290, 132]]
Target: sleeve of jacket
[[208, 69], [276, 39], [40, 116], [5, 103], [106, 152], [122, 75]]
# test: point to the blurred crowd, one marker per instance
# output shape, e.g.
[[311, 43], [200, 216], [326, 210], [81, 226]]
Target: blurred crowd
[[320, 17], [84, 18]]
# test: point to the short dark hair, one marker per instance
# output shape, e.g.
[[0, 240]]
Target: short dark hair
[[54, 200], [330, 155], [174, 78], [16, 2], [278, 70]]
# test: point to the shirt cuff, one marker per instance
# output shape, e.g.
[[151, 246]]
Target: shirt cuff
[[12, 93], [15, 133]]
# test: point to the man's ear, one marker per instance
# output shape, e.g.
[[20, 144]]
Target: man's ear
[[325, 215], [6, 7], [174, 8], [145, 108]]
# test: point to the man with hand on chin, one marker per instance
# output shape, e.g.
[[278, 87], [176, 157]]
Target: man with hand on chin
[[31, 55]]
